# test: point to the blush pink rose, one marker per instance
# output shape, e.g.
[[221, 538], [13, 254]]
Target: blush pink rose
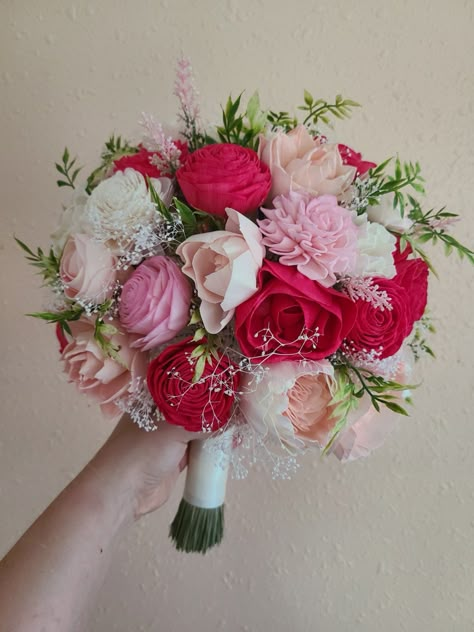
[[314, 234], [155, 302], [298, 162], [290, 404], [87, 269], [223, 265], [100, 377]]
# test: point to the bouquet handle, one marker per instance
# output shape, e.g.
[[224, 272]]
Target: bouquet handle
[[199, 522]]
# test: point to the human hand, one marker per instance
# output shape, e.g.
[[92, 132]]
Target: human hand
[[148, 463]]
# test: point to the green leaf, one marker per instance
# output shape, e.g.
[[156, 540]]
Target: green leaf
[[396, 408], [199, 369], [187, 216], [308, 98]]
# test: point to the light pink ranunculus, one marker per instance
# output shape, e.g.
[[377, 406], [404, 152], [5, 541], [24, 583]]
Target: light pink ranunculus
[[223, 265], [100, 377], [87, 269], [155, 302], [299, 162], [314, 234], [291, 403]]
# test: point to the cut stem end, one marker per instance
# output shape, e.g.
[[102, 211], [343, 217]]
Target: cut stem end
[[196, 530]]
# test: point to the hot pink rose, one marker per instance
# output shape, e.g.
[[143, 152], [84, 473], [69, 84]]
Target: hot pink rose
[[354, 159], [314, 234], [224, 175], [223, 265], [87, 269], [299, 162], [104, 379], [155, 302], [196, 406], [384, 331], [292, 317]]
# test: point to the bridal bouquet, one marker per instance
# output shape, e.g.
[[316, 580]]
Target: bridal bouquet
[[255, 281]]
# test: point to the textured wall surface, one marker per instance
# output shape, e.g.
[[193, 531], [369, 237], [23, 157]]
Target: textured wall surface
[[380, 545]]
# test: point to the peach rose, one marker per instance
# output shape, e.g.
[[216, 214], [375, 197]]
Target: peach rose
[[223, 265], [102, 378], [291, 403], [299, 162], [87, 269]]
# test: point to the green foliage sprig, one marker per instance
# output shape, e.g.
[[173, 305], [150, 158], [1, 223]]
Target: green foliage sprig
[[242, 128], [48, 264], [320, 110], [430, 226], [378, 183], [352, 384], [66, 170], [418, 343], [103, 333], [63, 318], [115, 148]]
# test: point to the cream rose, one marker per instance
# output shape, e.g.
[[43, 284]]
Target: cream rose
[[223, 265], [385, 214], [87, 269], [120, 205], [100, 377], [375, 246], [290, 405], [299, 162]]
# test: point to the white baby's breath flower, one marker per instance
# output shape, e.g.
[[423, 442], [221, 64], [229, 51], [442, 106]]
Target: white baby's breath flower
[[73, 220], [120, 206], [375, 246]]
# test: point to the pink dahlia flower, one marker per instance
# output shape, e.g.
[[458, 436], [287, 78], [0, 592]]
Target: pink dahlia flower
[[314, 234]]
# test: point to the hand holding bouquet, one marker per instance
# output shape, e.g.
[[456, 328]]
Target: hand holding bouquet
[[255, 281]]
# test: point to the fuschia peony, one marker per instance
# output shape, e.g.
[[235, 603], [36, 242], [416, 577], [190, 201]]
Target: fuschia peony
[[155, 302], [99, 376], [223, 265], [291, 403], [314, 234], [87, 269], [298, 162]]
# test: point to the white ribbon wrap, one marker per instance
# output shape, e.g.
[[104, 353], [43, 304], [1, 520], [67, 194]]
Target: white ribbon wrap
[[207, 471]]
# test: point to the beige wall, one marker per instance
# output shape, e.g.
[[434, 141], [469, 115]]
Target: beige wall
[[381, 545]]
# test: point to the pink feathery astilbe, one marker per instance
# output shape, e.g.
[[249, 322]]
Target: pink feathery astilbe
[[314, 234], [185, 89], [167, 154]]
